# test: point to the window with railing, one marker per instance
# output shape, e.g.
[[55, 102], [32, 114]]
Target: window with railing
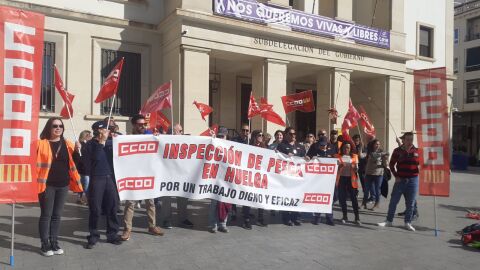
[[473, 87], [473, 29], [472, 62], [47, 95], [127, 101]]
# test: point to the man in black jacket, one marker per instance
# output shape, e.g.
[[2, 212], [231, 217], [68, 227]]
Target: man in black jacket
[[103, 194]]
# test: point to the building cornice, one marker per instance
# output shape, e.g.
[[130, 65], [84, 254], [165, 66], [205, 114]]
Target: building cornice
[[228, 25], [78, 16]]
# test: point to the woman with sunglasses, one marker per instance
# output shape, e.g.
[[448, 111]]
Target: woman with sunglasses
[[56, 174], [347, 180], [309, 140]]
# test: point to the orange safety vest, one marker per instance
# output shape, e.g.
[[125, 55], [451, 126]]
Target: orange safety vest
[[353, 173], [44, 162]]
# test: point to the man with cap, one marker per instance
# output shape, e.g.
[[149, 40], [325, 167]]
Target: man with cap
[[319, 149], [102, 193], [334, 144], [139, 125]]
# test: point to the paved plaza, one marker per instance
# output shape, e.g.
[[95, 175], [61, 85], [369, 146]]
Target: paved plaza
[[274, 247]]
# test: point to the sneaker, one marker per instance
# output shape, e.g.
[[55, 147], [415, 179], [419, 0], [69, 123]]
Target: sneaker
[[79, 200], [187, 223], [358, 222], [409, 227], [56, 249], [289, 223], [247, 225], [415, 217], [385, 224], [262, 223], [223, 229], [46, 250], [89, 245], [138, 205], [155, 231], [167, 225], [212, 229], [117, 241], [126, 235], [344, 221], [297, 223]]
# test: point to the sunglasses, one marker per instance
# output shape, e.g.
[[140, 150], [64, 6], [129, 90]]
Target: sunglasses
[[245, 130], [57, 126], [322, 134], [260, 135], [142, 124], [292, 133]]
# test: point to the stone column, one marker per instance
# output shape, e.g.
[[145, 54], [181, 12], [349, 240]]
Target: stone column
[[344, 10], [269, 80], [333, 90], [196, 63], [397, 32], [395, 110]]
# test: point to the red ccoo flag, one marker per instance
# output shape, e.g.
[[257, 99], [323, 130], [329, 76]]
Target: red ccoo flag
[[158, 119], [350, 121], [253, 108], [268, 114], [67, 110], [161, 99], [204, 109], [302, 101], [211, 131], [368, 127], [110, 86]]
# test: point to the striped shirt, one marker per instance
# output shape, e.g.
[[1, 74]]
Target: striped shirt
[[404, 163]]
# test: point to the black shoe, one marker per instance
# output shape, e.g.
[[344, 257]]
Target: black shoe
[[401, 214], [262, 223], [167, 225], [117, 241], [316, 220], [330, 222], [89, 245], [288, 223], [247, 225], [187, 223], [297, 223]]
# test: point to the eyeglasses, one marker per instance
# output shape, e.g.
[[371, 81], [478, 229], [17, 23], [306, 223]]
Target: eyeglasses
[[57, 126]]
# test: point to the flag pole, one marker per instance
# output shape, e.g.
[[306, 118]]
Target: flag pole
[[12, 259], [111, 109], [286, 118], [171, 105], [71, 122], [435, 214]]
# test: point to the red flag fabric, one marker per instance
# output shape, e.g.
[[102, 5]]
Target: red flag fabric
[[67, 110], [211, 131], [21, 39], [302, 101], [368, 127], [253, 108], [431, 123], [158, 119], [159, 100], [110, 86], [350, 121], [204, 109], [268, 114]]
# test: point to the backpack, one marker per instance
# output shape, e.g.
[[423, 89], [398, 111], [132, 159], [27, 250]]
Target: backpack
[[471, 234]]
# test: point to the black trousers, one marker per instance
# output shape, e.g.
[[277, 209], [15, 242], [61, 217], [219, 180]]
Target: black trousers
[[102, 195], [289, 216], [344, 188], [246, 213], [51, 202]]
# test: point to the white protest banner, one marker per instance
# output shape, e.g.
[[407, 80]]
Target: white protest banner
[[196, 167]]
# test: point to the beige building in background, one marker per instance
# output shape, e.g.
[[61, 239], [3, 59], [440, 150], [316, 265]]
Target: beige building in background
[[218, 60], [466, 119]]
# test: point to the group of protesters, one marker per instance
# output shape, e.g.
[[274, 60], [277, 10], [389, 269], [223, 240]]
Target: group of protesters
[[86, 168]]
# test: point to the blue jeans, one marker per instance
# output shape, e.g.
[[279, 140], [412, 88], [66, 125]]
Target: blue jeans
[[85, 180], [407, 187], [374, 185], [213, 220]]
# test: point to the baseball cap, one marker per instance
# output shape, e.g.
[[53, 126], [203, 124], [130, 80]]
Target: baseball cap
[[99, 125]]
